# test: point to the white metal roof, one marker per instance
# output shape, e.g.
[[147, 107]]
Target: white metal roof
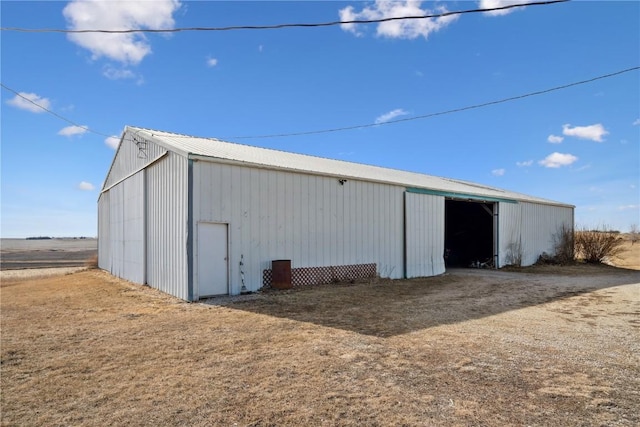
[[195, 147]]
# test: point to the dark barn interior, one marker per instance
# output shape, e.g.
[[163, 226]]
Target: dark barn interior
[[468, 233]]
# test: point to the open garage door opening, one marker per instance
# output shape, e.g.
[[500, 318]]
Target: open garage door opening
[[469, 233]]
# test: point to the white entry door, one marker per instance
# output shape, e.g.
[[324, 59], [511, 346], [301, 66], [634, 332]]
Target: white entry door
[[212, 259]]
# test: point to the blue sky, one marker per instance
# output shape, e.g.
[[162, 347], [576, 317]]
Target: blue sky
[[580, 145]]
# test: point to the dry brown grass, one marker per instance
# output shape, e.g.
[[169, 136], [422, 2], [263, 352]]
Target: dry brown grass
[[468, 348], [629, 255]]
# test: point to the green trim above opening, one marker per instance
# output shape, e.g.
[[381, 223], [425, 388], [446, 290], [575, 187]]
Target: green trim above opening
[[458, 195]]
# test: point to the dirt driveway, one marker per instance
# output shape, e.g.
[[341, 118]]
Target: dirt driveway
[[468, 348]]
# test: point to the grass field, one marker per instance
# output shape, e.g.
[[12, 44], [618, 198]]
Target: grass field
[[473, 347], [47, 253]]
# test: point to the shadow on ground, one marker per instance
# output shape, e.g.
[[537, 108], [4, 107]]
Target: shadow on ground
[[390, 308]]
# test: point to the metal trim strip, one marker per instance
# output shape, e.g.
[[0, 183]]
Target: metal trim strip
[[459, 196]]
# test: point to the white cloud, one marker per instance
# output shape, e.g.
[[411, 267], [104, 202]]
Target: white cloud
[[112, 142], [555, 139], [212, 62], [22, 103], [490, 4], [628, 207], [591, 132], [347, 14], [128, 48], [86, 186], [113, 73], [525, 163], [390, 115], [556, 160], [498, 172], [73, 130], [636, 122], [402, 29]]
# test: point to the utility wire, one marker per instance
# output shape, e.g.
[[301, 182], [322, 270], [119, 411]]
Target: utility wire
[[52, 112], [407, 119], [280, 26], [440, 113]]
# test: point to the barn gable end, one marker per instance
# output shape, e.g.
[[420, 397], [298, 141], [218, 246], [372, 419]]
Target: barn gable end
[[142, 216]]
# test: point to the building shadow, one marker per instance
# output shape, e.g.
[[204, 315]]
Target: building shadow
[[394, 307]]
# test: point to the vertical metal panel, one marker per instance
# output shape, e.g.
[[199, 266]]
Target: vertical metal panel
[[134, 223], [191, 231], [311, 220], [104, 256], [509, 232], [126, 229], [540, 226], [167, 187], [424, 234], [530, 229], [116, 230], [130, 157]]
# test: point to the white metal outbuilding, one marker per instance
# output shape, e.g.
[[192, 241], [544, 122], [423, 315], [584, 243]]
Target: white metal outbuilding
[[197, 217]]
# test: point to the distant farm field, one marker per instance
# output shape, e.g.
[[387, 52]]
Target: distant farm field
[[472, 347], [47, 253]]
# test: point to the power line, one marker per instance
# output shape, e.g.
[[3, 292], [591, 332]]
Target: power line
[[52, 112], [440, 113], [280, 26], [406, 119]]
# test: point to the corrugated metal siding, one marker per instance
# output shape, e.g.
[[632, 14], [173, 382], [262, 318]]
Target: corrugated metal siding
[[134, 228], [167, 187], [104, 256], [540, 223], [131, 157], [424, 235], [531, 228], [126, 229], [312, 220], [116, 230], [509, 233]]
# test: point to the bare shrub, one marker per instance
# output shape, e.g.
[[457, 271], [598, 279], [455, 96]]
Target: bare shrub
[[563, 248], [597, 245], [564, 245], [514, 253]]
